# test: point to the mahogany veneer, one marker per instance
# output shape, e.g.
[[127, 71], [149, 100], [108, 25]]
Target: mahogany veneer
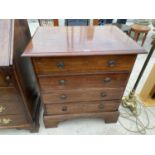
[[82, 71], [19, 95]]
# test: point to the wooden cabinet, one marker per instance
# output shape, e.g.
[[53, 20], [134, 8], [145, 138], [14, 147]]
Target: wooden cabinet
[[81, 71], [19, 95]]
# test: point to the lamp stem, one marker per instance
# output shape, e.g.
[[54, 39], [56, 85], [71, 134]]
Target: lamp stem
[[144, 66]]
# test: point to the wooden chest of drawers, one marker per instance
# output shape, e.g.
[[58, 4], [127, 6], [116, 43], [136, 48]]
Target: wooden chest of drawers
[[82, 71], [19, 95]]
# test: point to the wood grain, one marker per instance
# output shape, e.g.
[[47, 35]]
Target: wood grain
[[82, 95], [16, 120], [8, 94], [109, 80], [81, 41], [6, 78], [82, 107], [89, 64]]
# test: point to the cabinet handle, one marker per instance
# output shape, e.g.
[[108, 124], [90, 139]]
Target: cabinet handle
[[103, 94], [111, 63], [5, 121], [7, 78], [64, 108], [107, 79], [63, 97], [2, 109], [61, 65], [62, 82], [101, 106]]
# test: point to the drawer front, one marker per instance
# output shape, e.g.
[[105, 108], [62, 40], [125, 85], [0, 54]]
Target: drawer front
[[82, 107], [8, 94], [82, 95], [12, 108], [91, 64], [5, 78], [12, 120], [48, 83], [9, 102]]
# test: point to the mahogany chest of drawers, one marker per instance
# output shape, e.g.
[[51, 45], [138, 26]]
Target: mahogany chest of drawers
[[82, 71], [19, 95]]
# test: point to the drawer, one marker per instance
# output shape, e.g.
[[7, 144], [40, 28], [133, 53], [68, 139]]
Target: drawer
[[12, 120], [111, 80], [12, 108], [5, 78], [82, 107], [82, 95], [9, 102], [8, 94], [87, 64]]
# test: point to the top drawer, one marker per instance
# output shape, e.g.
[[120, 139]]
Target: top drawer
[[5, 78], [89, 64]]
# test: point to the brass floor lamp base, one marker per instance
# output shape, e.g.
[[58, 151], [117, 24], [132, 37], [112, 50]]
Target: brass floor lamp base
[[130, 102]]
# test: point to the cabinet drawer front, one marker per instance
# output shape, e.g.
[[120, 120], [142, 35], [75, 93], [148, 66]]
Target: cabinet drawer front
[[5, 78], [9, 102], [82, 107], [12, 120], [8, 94], [66, 65], [48, 83], [82, 95], [11, 108]]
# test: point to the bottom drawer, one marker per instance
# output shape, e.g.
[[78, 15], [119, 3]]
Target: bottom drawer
[[82, 107], [12, 120]]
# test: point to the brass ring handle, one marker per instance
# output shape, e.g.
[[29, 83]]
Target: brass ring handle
[[5, 121], [103, 94], [64, 108], [101, 106], [62, 82], [2, 109], [7, 78], [63, 97], [107, 79], [61, 65], [111, 63]]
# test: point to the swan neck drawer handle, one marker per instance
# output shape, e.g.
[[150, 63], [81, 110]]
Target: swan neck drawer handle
[[5, 121], [2, 109], [61, 65], [111, 63]]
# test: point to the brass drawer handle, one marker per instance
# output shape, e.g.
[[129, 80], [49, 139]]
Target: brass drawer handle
[[103, 94], [107, 79], [8, 79], [62, 82], [5, 121], [64, 108], [111, 63], [61, 65], [63, 97], [101, 106], [2, 109]]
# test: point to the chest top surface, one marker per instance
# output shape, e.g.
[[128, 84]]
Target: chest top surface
[[5, 42], [81, 40]]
